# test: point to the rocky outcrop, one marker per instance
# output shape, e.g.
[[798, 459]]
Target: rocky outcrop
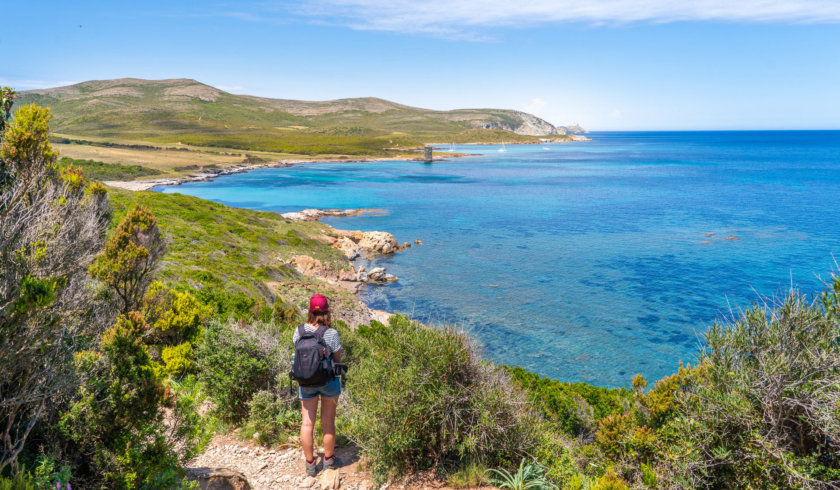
[[378, 274], [528, 124], [311, 267], [575, 128], [368, 243], [218, 479], [316, 214]]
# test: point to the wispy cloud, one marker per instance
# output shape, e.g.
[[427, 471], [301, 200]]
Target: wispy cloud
[[23, 84], [468, 17]]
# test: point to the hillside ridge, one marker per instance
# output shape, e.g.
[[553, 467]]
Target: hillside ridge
[[76, 106]]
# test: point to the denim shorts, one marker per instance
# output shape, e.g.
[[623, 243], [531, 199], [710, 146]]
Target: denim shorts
[[329, 390]]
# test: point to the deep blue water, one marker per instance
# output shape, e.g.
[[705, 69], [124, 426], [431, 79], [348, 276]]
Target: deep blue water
[[585, 261]]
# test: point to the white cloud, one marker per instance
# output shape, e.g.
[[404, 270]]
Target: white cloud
[[445, 17], [23, 84]]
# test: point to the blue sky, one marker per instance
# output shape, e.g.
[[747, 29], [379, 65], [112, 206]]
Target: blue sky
[[606, 64]]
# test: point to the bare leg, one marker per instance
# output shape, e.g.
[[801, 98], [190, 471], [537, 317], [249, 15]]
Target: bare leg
[[307, 426], [328, 406]]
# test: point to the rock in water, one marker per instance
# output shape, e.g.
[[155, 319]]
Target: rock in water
[[218, 479], [330, 480]]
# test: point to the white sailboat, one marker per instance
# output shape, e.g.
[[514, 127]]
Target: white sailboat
[[451, 146], [502, 148]]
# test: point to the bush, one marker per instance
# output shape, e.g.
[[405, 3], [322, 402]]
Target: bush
[[175, 316], [610, 481], [117, 421], [237, 360], [271, 418], [554, 454], [419, 397], [179, 360], [768, 408], [575, 407], [50, 230]]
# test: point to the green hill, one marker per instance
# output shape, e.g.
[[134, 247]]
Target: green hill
[[191, 113]]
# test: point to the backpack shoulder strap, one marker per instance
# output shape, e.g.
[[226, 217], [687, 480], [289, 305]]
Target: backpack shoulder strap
[[301, 331], [319, 334]]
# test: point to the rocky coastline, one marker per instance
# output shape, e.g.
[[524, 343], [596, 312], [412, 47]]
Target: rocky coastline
[[358, 247]]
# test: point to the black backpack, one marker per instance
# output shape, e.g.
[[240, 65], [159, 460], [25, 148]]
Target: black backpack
[[312, 366]]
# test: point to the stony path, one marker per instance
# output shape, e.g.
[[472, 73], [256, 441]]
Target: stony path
[[277, 468], [281, 468]]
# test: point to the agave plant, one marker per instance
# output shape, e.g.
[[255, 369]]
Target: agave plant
[[530, 476]]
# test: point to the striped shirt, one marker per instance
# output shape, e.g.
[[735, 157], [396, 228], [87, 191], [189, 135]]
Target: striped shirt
[[330, 337]]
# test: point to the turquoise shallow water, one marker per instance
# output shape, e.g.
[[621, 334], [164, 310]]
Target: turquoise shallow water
[[584, 261]]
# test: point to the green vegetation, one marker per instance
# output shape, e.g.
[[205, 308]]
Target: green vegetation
[[419, 398], [235, 363], [573, 407], [528, 476], [108, 171], [172, 112], [118, 313]]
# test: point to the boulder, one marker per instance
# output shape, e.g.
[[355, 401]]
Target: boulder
[[218, 479], [379, 274], [379, 241], [376, 274], [348, 247], [418, 241]]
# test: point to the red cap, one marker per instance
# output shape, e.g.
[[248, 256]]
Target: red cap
[[318, 303]]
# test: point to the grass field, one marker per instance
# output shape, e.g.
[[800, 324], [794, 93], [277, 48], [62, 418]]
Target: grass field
[[233, 255]]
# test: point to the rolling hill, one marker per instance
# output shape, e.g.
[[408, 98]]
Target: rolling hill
[[191, 113]]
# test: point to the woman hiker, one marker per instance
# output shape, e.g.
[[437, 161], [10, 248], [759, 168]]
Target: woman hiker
[[319, 315]]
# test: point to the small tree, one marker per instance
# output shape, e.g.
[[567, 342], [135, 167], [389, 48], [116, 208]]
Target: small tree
[[117, 420], [129, 258], [51, 226]]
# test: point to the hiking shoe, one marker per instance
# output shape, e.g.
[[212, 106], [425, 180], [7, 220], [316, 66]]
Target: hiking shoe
[[311, 468], [332, 463]]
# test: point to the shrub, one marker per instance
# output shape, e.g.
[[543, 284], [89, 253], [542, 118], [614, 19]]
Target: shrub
[[50, 231], [175, 316], [769, 407], [610, 481], [129, 258], [664, 399], [575, 407], [271, 418], [554, 454], [117, 421], [419, 396], [237, 360], [612, 431], [179, 360]]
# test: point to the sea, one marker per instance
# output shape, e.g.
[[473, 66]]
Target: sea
[[584, 261]]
